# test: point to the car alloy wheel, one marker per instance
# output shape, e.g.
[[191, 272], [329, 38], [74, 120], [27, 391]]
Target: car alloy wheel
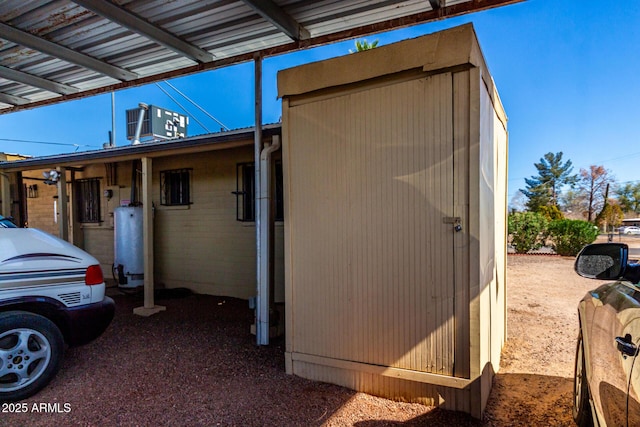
[[31, 349]]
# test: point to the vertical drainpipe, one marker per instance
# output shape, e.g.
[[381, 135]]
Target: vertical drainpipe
[[266, 236], [262, 300]]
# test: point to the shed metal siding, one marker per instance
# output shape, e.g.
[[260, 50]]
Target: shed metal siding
[[383, 295], [461, 135], [492, 191], [368, 203]]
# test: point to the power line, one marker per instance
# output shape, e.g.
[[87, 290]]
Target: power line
[[45, 142], [181, 106], [197, 106]]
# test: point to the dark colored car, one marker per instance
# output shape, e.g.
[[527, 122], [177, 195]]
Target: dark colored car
[[607, 367]]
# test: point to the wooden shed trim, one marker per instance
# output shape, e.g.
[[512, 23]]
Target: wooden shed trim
[[385, 371], [443, 49]]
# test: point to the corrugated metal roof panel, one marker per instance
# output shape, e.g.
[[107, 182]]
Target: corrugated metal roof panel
[[230, 30]]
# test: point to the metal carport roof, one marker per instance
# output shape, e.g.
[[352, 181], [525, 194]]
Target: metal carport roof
[[56, 50]]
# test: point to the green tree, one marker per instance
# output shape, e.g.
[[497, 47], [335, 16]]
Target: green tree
[[629, 197], [545, 188], [362, 45]]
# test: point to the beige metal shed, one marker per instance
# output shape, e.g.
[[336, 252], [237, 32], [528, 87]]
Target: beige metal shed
[[395, 163]]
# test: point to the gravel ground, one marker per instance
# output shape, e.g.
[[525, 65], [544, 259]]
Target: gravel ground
[[197, 365]]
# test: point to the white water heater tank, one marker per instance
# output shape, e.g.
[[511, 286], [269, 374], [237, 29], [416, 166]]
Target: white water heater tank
[[129, 247]]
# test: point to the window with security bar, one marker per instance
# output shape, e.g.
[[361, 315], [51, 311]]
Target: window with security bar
[[88, 200], [245, 193], [175, 187]]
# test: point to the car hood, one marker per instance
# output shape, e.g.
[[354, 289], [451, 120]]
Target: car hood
[[29, 249]]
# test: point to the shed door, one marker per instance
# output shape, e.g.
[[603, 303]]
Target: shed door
[[370, 178]]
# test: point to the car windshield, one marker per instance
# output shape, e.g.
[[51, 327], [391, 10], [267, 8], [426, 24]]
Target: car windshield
[[6, 223]]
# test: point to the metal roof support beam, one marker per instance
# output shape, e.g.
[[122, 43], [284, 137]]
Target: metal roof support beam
[[262, 300], [149, 308], [13, 100], [35, 81], [138, 25], [278, 17], [23, 38]]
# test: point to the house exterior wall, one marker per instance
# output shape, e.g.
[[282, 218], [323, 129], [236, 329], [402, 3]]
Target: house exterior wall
[[383, 294], [42, 210], [10, 188], [200, 246]]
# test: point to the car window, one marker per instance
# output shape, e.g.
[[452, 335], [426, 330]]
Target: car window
[[6, 223]]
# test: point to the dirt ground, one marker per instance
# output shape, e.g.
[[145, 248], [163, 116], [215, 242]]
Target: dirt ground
[[535, 381], [196, 365]]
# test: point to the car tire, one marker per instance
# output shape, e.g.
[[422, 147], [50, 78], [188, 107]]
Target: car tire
[[31, 348], [581, 396]]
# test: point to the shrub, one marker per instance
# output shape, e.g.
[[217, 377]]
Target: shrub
[[526, 230], [568, 236]]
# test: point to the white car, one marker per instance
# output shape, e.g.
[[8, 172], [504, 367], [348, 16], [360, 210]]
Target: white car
[[51, 294], [631, 229]]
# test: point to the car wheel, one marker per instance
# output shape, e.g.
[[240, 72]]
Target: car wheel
[[581, 406], [31, 348]]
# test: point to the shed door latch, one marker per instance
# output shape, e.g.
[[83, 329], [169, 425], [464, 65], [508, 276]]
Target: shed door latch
[[455, 221]]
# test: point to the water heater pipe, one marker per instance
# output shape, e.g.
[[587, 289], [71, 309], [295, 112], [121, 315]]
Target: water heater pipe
[[143, 107]]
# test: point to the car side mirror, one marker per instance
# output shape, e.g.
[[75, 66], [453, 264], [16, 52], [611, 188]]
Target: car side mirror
[[603, 261]]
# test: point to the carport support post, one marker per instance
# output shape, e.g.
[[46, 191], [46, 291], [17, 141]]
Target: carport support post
[[262, 303], [63, 222], [149, 307], [5, 190]]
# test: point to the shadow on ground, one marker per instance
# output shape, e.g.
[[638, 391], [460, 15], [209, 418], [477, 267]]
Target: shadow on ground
[[197, 364], [530, 400]]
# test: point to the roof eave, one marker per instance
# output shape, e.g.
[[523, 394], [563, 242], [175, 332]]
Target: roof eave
[[209, 142]]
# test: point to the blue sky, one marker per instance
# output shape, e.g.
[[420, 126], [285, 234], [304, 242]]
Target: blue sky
[[567, 73]]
